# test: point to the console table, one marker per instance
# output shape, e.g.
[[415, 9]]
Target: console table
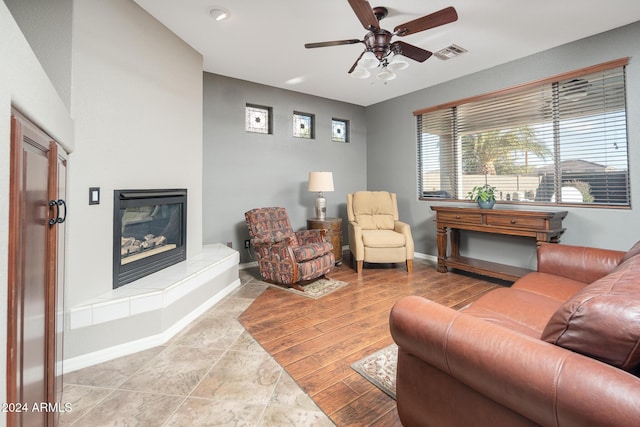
[[541, 225]]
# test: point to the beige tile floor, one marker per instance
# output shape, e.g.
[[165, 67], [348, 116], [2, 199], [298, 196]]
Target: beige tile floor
[[213, 373]]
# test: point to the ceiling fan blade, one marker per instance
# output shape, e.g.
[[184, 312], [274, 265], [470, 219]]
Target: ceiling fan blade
[[364, 12], [441, 17], [410, 51], [355, 64], [333, 43]]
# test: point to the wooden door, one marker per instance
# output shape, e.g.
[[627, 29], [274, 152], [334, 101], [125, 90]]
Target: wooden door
[[33, 274]]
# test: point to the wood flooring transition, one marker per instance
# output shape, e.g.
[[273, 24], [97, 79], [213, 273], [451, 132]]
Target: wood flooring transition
[[316, 341]]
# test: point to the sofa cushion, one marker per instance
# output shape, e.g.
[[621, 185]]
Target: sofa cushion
[[635, 250], [603, 320], [549, 285], [515, 309], [373, 210]]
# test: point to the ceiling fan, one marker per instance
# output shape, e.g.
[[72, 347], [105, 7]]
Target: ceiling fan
[[379, 50]]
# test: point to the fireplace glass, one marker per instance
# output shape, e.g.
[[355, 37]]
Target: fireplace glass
[[149, 232]]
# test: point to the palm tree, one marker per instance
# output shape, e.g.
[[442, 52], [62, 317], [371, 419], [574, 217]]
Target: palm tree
[[490, 152]]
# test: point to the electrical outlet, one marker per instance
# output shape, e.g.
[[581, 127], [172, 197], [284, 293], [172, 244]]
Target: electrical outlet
[[247, 244]]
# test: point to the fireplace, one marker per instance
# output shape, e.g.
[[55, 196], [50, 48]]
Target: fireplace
[[149, 232]]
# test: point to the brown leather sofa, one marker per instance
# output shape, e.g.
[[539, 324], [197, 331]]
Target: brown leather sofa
[[560, 347]]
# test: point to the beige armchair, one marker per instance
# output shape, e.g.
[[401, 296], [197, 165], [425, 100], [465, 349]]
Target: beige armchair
[[375, 233]]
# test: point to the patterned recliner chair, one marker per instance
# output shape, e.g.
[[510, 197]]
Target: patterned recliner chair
[[284, 256]]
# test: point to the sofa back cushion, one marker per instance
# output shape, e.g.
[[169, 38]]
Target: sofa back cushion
[[374, 210], [603, 320], [635, 250]]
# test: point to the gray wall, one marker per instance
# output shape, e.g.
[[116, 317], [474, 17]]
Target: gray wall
[[391, 150], [47, 26], [243, 171]]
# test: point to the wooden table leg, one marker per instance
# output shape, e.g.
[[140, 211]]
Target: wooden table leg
[[442, 248], [455, 242]]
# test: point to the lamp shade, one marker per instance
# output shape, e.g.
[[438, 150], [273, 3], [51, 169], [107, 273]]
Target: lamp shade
[[398, 62], [360, 73], [320, 181], [368, 60], [386, 74]]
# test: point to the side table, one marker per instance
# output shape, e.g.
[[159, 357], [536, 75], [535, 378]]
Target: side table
[[334, 233]]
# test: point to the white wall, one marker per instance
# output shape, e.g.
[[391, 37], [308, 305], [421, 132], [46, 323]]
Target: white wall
[[24, 84], [137, 106], [47, 26]]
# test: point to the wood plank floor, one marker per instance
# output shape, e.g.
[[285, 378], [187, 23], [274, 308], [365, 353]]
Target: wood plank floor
[[316, 341]]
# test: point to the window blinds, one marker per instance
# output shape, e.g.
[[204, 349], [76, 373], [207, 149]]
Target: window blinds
[[562, 140]]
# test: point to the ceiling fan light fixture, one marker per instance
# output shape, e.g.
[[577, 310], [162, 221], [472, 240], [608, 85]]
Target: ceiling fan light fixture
[[360, 73], [368, 60], [386, 74], [219, 13], [398, 62]]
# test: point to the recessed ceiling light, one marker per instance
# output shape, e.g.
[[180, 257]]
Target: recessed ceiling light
[[219, 13]]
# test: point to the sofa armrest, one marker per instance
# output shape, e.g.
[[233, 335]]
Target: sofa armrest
[[544, 383], [581, 263]]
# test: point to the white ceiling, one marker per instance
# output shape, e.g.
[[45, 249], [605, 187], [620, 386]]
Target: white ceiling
[[263, 40]]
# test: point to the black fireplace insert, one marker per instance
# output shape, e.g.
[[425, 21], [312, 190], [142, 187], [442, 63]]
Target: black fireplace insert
[[149, 232]]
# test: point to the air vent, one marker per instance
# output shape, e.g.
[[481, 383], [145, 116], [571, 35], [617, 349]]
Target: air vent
[[450, 52]]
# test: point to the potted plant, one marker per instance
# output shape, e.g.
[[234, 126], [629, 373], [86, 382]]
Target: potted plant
[[484, 195]]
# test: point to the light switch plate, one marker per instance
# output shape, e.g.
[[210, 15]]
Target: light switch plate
[[94, 195]]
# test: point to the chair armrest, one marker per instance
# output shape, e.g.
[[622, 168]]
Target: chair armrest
[[356, 244], [270, 240], [405, 229], [541, 381], [581, 263], [306, 237], [275, 249]]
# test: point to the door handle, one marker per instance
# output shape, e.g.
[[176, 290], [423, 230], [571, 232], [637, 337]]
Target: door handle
[[57, 219], [64, 205]]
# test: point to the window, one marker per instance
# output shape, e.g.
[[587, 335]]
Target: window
[[340, 130], [258, 119], [562, 140], [303, 125]]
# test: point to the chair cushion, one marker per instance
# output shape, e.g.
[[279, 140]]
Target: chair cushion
[[373, 210], [382, 239], [311, 251], [603, 320]]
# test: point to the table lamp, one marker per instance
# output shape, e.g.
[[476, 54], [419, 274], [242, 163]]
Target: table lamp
[[321, 182]]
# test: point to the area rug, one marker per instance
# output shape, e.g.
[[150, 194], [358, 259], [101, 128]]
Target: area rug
[[380, 369], [316, 289]]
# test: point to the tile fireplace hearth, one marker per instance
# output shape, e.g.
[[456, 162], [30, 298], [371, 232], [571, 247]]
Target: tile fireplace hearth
[[150, 310]]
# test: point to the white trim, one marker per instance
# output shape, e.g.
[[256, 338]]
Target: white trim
[[427, 257]]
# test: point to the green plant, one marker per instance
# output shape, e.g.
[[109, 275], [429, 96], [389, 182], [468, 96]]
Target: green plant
[[482, 192], [584, 188]]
